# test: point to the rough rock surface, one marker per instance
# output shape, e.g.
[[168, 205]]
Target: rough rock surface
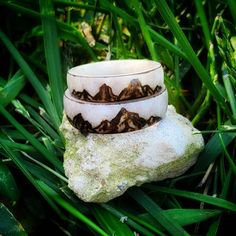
[[101, 167]]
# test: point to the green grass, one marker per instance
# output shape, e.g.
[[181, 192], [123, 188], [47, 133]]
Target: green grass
[[40, 40]]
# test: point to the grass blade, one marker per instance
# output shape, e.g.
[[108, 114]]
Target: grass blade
[[184, 216], [166, 44], [36, 144], [203, 20], [232, 8], [68, 207], [47, 128], [229, 89], [9, 225], [214, 228], [212, 150], [12, 88], [144, 29], [228, 157], [169, 18], [18, 146], [16, 159], [42, 93], [8, 187], [127, 220], [67, 32], [195, 196], [52, 54], [153, 209], [111, 223]]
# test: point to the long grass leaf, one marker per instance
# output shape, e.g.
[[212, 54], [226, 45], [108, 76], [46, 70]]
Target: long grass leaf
[[36, 144], [195, 196], [12, 88], [18, 146], [42, 93], [18, 8], [15, 158], [52, 53], [169, 18], [203, 20], [8, 187], [29, 100], [9, 225], [74, 35], [68, 207], [47, 168], [229, 88], [232, 8], [166, 43], [79, 5], [184, 216], [144, 29], [228, 157], [212, 150], [67, 32], [47, 128], [127, 220], [155, 228], [110, 222], [153, 209]]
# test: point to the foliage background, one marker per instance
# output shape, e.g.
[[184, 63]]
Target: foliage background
[[39, 40]]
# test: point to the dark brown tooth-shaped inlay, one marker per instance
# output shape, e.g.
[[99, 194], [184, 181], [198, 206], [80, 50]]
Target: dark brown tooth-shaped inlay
[[124, 121], [105, 94]]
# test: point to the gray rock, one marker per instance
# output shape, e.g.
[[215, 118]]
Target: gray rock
[[101, 167]]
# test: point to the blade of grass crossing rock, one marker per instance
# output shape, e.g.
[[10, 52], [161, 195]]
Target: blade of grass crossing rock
[[36, 144], [153, 209], [52, 54], [195, 196], [68, 207], [42, 93], [55, 173], [170, 20]]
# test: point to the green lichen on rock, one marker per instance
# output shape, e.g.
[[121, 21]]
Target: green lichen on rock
[[101, 167]]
